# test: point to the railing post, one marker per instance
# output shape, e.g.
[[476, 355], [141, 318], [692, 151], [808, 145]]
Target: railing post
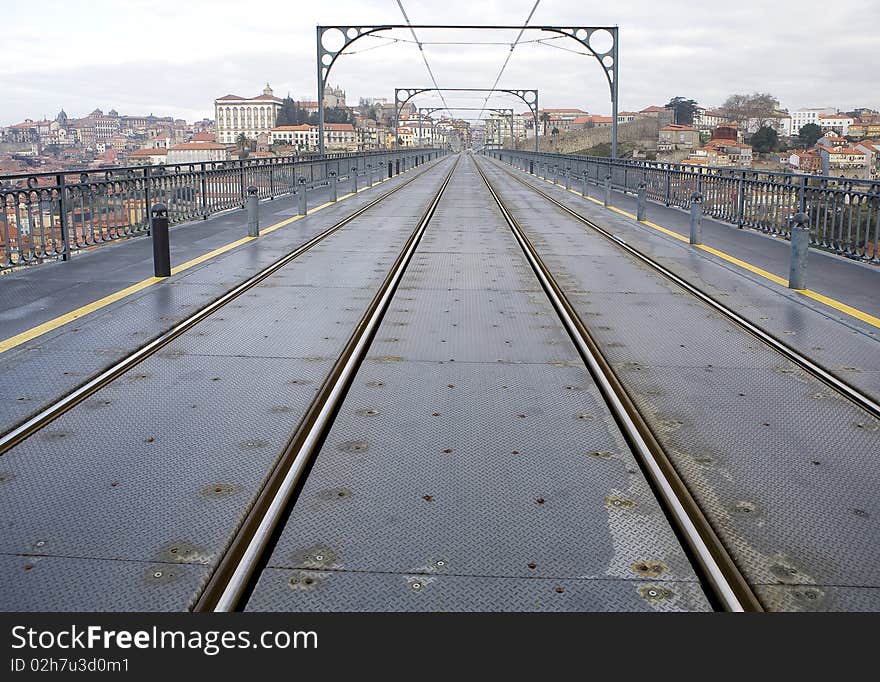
[[243, 194], [668, 200], [332, 183], [369, 175], [161, 245], [696, 235], [271, 182], [62, 218], [802, 195], [800, 247], [586, 180], [608, 190], [303, 205], [354, 179], [253, 212], [147, 198], [642, 206], [567, 173], [204, 185], [741, 200]]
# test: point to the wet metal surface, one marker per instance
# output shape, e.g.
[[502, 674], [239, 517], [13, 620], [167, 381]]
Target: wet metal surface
[[473, 464], [786, 470], [160, 466]]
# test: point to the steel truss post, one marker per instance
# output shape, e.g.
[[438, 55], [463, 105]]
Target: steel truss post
[[332, 41]]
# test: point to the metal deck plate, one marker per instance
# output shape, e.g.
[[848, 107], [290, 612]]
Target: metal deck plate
[[293, 591], [492, 475], [51, 583], [786, 471], [161, 465], [522, 464], [463, 325]]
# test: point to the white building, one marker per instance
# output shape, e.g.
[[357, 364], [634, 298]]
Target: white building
[[148, 157], [340, 137], [802, 117], [250, 116], [196, 152], [303, 137], [708, 119], [839, 123]]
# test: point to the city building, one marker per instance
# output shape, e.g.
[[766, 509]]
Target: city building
[[148, 157], [842, 158], [723, 152], [802, 117], [340, 137], [678, 137], [248, 116], [197, 152], [708, 119], [303, 138], [839, 123], [871, 149], [663, 115]]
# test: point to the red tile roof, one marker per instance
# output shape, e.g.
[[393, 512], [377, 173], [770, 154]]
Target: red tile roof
[[149, 152], [197, 145]]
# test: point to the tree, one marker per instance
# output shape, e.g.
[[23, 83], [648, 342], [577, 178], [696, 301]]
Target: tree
[[757, 108], [332, 115], [684, 110], [809, 134], [290, 113], [555, 131], [765, 140], [545, 117], [244, 146]]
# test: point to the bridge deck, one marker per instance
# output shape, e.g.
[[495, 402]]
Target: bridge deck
[[38, 366], [473, 464]]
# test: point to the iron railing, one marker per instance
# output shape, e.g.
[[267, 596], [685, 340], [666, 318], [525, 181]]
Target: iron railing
[[844, 213], [49, 216]]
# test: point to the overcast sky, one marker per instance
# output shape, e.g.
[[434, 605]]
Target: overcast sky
[[173, 57]]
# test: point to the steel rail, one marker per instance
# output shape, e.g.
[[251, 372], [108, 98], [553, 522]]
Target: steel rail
[[845, 389], [711, 558], [51, 412], [234, 576]]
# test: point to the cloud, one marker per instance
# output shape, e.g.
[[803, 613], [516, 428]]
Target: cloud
[[171, 57]]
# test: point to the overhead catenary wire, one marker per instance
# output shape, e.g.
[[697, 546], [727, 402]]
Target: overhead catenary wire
[[422, 52], [509, 54]]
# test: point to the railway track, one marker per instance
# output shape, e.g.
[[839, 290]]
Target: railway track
[[236, 578], [233, 578], [731, 576], [717, 568], [851, 393], [52, 411], [237, 572]]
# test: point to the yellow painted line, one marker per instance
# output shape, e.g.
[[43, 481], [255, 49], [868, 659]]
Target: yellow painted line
[[743, 264], [826, 300], [61, 320], [842, 307], [208, 256], [674, 235], [41, 329]]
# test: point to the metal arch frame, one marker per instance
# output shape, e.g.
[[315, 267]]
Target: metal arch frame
[[498, 110], [581, 34], [412, 92]]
